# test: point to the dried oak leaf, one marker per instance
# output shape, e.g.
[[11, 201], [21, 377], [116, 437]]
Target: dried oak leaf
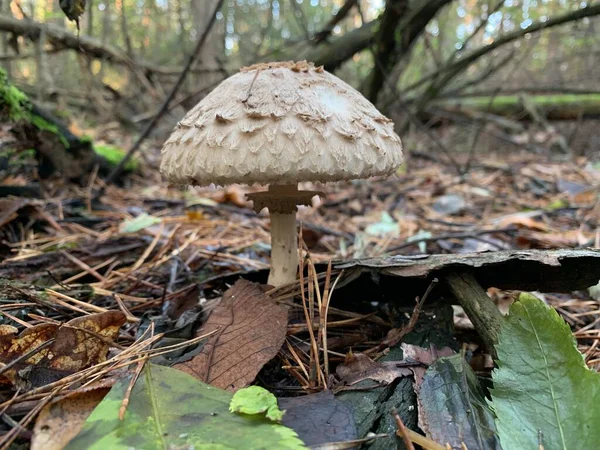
[[250, 329], [78, 344]]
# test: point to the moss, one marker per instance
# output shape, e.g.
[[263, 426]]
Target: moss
[[19, 108], [13, 99], [41, 124], [114, 155]]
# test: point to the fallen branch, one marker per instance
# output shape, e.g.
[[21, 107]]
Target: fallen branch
[[61, 38]]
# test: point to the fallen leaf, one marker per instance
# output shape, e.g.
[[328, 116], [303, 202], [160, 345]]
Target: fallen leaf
[[256, 400], [75, 348], [386, 226], [11, 208], [449, 204], [61, 420], [571, 238], [141, 222], [524, 220], [319, 418], [78, 344], [452, 407], [169, 409], [234, 194], [358, 367], [250, 329]]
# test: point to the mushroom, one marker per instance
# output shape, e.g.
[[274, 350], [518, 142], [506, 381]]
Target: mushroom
[[280, 124]]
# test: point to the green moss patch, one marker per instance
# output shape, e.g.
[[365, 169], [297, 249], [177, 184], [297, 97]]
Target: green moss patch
[[114, 155]]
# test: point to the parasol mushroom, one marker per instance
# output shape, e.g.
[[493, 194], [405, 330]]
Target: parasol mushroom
[[280, 124]]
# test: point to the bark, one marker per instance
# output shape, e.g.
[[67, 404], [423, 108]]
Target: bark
[[125, 29], [4, 39], [335, 51], [90, 17], [402, 24], [388, 46]]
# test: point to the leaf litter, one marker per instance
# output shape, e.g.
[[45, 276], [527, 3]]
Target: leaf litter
[[73, 260]]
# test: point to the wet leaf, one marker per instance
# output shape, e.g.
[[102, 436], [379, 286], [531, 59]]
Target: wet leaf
[[61, 420], [319, 418], [171, 409], [250, 329], [452, 406], [256, 400], [543, 390]]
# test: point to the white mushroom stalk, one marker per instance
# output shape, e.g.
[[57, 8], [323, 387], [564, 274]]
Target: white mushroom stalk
[[280, 124], [282, 201]]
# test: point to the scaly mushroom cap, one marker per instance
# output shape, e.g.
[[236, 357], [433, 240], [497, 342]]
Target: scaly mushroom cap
[[281, 123]]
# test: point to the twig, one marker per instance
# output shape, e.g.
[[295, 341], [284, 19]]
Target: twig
[[132, 382], [165, 106], [396, 334], [402, 430]]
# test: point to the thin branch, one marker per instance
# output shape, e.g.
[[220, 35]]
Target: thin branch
[[455, 68], [341, 14]]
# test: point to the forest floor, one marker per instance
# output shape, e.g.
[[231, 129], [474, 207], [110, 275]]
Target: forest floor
[[148, 249]]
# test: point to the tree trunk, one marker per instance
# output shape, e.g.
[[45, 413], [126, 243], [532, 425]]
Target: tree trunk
[[212, 51], [5, 38]]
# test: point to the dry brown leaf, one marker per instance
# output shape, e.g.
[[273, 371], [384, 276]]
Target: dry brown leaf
[[571, 238], [522, 220], [61, 420], [13, 346], [358, 367], [80, 343], [425, 356], [251, 330]]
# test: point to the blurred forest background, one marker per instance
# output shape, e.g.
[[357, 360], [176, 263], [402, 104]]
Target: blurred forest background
[[457, 76]]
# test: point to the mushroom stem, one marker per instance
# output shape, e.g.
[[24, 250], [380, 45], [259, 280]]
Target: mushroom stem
[[284, 248], [284, 237]]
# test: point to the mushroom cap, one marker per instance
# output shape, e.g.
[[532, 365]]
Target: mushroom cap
[[281, 123]]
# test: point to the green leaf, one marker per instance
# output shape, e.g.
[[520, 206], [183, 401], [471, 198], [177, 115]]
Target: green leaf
[[387, 225], [452, 406], [256, 400], [171, 409], [142, 221], [543, 391]]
